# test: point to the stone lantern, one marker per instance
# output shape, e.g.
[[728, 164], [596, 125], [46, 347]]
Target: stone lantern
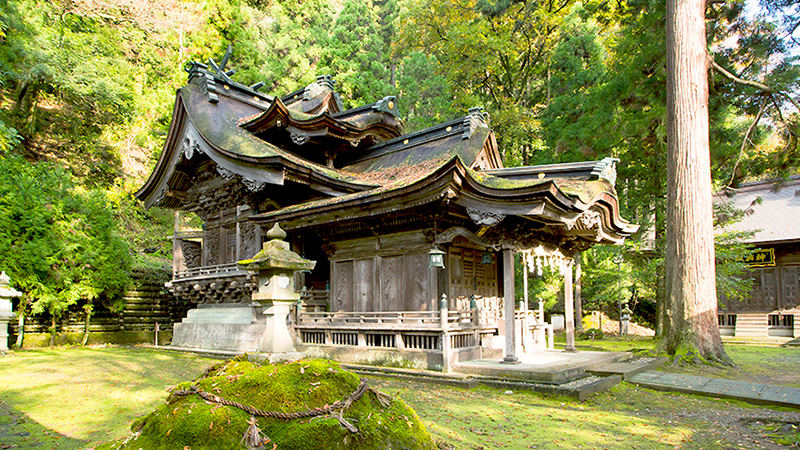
[[6, 294], [276, 265], [625, 319]]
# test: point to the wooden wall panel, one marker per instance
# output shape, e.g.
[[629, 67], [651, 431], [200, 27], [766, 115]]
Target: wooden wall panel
[[393, 285], [790, 286], [416, 297], [342, 286], [363, 285]]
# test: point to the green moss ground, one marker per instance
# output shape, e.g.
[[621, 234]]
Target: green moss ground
[[298, 386], [71, 398]]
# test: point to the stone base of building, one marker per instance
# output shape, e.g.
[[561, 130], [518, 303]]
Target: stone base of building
[[220, 327], [218, 336]]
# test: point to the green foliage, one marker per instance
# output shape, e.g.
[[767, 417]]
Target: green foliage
[[576, 112], [547, 287], [60, 244], [493, 54], [357, 56], [592, 334], [424, 95]]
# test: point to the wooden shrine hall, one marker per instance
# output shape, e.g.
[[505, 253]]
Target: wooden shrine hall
[[413, 234]]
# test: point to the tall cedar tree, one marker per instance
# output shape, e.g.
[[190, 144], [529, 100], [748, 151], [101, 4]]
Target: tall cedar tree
[[692, 329]]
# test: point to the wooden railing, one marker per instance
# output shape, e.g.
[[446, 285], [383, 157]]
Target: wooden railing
[[315, 300], [536, 332], [222, 269], [391, 319]]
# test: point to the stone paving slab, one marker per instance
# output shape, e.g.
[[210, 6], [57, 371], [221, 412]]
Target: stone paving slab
[[718, 387], [550, 366], [780, 394], [628, 368]]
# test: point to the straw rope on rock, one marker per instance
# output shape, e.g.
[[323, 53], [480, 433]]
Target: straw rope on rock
[[306, 404], [324, 411]]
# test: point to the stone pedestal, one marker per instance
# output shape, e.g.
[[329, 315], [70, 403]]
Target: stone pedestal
[[5, 318], [6, 294], [276, 265], [276, 338]]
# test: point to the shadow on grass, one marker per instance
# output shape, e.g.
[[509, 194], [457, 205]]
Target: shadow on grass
[[17, 430], [91, 394]]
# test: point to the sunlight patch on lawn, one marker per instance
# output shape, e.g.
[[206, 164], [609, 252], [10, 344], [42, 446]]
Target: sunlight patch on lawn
[[92, 393]]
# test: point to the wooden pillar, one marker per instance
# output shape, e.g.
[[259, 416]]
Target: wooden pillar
[[508, 305], [569, 313], [525, 280], [178, 261], [578, 298]]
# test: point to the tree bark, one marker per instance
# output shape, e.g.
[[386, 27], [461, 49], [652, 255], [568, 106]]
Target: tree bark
[[21, 313], [691, 328], [87, 323], [53, 331]]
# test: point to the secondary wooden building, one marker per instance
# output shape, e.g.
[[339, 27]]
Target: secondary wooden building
[[372, 206], [773, 213]]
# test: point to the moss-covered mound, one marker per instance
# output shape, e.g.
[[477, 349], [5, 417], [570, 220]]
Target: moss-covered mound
[[197, 423]]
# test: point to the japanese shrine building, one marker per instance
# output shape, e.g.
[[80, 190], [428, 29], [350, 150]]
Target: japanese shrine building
[[773, 308], [369, 204]]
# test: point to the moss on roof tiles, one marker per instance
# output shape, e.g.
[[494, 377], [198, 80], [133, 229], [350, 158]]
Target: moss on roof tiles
[[584, 190], [219, 124], [494, 182], [400, 155]]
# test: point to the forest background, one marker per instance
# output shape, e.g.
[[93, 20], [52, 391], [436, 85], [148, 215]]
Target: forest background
[[87, 89]]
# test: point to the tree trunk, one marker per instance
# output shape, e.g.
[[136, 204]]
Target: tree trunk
[[87, 323], [21, 321], [691, 325], [53, 332], [578, 298], [659, 244]]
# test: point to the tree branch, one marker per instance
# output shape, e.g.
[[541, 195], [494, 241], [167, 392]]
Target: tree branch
[[735, 79], [782, 119], [747, 137]]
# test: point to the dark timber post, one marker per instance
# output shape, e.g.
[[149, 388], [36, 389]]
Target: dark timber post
[[508, 305], [569, 303]]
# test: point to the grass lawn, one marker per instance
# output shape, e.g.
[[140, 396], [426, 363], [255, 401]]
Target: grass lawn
[[69, 398]]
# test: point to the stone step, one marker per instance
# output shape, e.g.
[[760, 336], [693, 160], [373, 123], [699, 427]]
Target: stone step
[[628, 368], [549, 367], [579, 388]]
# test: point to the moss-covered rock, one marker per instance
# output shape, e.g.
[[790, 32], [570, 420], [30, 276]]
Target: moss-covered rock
[[190, 421]]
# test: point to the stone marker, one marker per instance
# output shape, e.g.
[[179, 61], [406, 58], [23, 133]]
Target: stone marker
[[276, 265], [6, 294]]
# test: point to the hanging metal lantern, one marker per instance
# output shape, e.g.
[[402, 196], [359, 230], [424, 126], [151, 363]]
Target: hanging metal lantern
[[486, 258], [436, 258]]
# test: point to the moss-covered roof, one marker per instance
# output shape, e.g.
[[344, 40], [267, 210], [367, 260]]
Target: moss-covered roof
[[218, 124]]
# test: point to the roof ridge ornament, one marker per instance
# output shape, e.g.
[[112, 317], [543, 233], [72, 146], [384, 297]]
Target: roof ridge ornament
[[475, 117], [209, 72], [326, 81], [606, 169], [387, 104]]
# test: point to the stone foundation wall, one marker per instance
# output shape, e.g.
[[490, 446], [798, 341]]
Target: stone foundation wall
[[147, 302]]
